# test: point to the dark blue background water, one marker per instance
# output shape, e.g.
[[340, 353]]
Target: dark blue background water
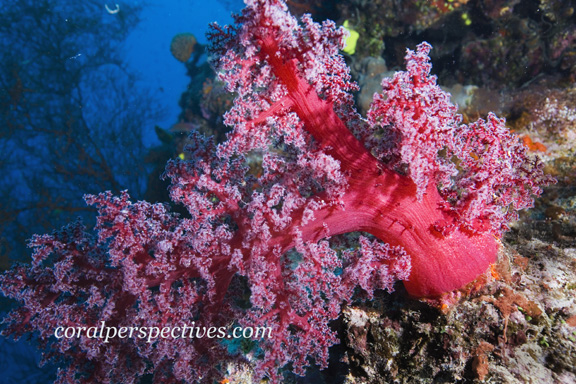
[[147, 53], [147, 49]]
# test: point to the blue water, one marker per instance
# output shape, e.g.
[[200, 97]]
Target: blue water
[[147, 55], [147, 48]]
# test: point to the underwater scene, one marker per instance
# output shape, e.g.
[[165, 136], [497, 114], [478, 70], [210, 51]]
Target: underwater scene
[[288, 191]]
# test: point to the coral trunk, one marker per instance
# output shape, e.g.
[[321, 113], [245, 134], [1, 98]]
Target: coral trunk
[[385, 205]]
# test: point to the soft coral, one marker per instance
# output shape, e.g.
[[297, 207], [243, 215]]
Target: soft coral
[[394, 176]]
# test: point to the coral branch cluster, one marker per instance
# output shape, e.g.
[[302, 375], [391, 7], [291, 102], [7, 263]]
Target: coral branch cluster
[[428, 192]]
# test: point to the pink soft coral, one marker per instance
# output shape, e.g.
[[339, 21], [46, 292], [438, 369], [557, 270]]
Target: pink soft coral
[[432, 193]]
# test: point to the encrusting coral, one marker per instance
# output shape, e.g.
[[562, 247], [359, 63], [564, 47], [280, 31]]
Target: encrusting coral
[[182, 46]]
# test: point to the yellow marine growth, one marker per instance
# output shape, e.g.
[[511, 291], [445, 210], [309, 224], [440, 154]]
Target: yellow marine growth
[[182, 46], [351, 40]]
